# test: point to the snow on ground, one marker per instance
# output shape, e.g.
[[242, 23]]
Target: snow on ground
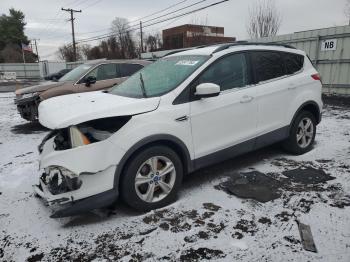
[[205, 223]]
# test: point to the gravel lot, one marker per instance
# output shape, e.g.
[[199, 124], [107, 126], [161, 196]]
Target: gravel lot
[[209, 220]]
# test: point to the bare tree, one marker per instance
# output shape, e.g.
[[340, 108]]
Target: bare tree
[[264, 19], [66, 53], [154, 42], [124, 37], [347, 10]]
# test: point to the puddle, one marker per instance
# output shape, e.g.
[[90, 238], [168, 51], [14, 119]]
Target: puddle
[[254, 185], [307, 175], [267, 187]]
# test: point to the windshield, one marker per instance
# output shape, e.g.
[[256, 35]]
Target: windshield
[[160, 77], [76, 73]]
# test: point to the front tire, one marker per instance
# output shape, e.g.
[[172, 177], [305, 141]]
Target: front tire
[[152, 178], [302, 134]]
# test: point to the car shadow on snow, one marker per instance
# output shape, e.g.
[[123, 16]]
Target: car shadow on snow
[[226, 168], [28, 128]]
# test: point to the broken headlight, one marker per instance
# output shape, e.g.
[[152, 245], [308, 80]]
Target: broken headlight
[[96, 130], [88, 132]]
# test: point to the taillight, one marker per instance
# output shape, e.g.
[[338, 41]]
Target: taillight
[[316, 77]]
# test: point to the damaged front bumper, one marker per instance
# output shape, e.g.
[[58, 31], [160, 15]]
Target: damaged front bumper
[[78, 179], [28, 107]]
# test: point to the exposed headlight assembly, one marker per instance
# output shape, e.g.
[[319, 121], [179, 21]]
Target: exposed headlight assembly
[[88, 132], [77, 138]]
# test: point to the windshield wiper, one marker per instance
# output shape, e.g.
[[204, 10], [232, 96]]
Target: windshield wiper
[[143, 86]]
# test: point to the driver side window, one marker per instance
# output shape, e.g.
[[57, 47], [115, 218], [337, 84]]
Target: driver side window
[[229, 72], [104, 72]]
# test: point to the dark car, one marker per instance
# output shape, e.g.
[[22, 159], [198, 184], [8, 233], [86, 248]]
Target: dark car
[[56, 76]]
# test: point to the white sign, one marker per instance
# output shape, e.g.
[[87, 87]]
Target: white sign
[[329, 45], [8, 75], [187, 62]]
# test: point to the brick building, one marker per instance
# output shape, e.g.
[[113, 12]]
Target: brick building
[[188, 35]]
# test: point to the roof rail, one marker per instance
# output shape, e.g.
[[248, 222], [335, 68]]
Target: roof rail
[[238, 43]]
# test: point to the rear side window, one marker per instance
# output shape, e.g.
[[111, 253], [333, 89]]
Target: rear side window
[[293, 62], [128, 69], [268, 65]]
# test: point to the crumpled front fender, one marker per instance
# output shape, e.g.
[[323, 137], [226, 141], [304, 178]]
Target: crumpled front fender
[[90, 158]]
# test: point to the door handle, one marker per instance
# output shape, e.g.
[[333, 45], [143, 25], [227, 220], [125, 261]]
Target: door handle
[[246, 99]]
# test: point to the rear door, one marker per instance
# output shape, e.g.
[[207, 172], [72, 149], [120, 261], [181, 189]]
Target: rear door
[[273, 90], [127, 69]]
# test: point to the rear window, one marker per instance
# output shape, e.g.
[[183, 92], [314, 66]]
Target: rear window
[[293, 62], [128, 69], [268, 65]]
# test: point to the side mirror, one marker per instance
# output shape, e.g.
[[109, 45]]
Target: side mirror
[[90, 80], [206, 90]]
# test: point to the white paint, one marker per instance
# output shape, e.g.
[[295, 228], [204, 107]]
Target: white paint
[[63, 111], [329, 45]]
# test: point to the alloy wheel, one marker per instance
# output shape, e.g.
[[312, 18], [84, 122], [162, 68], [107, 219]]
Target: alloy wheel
[[305, 132], [155, 179]]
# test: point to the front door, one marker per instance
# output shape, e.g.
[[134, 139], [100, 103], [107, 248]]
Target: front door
[[106, 76], [227, 121]]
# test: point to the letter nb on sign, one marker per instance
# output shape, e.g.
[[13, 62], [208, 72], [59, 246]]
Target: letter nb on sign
[[329, 45]]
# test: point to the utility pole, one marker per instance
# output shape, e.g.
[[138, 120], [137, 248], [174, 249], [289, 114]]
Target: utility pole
[[141, 37], [36, 48], [73, 35]]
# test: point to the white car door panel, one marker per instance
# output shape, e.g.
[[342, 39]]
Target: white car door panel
[[230, 118], [223, 121]]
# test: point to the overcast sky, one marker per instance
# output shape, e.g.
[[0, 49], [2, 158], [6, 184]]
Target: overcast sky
[[46, 21]]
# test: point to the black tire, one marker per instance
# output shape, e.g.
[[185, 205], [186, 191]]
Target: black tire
[[127, 185], [291, 144]]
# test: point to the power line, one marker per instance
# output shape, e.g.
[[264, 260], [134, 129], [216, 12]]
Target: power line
[[144, 22], [157, 22], [92, 4], [160, 11], [138, 20], [175, 11]]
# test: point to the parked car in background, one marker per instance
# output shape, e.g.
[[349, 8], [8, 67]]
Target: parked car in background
[[56, 76], [179, 114], [91, 76]]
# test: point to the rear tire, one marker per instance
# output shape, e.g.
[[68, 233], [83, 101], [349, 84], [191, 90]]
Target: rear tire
[[302, 134], [151, 178]]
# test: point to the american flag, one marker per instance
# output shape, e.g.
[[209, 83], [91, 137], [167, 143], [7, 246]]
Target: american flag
[[26, 48]]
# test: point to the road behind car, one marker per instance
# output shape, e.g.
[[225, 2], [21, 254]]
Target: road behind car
[[207, 222]]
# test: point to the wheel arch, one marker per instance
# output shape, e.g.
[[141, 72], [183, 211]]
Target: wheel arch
[[162, 139], [310, 106]]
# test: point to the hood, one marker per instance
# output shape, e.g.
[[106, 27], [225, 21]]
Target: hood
[[39, 88], [63, 111]]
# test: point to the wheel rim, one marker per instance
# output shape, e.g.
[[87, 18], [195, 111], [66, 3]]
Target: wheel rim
[[305, 132], [155, 179]]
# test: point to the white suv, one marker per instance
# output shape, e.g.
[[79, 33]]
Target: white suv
[[184, 112]]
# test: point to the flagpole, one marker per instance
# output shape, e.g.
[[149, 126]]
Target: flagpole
[[24, 61]]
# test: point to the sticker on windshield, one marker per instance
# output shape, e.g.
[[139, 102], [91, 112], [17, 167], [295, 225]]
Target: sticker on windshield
[[187, 62]]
